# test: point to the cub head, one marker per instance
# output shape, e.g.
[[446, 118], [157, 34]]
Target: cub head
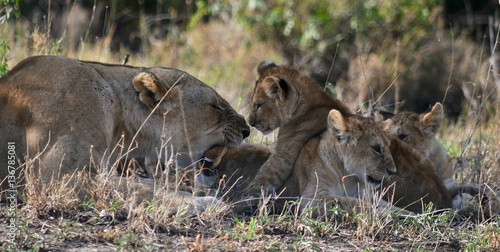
[[268, 99], [362, 147], [417, 130], [282, 94], [234, 170], [188, 115], [279, 94]]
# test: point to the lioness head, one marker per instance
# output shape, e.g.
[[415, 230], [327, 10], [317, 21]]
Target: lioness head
[[364, 147], [198, 118], [417, 130]]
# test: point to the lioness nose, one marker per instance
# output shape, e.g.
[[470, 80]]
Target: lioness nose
[[245, 133]]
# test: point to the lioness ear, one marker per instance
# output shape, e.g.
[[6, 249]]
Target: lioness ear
[[264, 66], [338, 125], [431, 121], [276, 88], [150, 89]]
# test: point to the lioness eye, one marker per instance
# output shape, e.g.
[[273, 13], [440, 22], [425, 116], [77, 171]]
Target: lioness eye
[[402, 137], [376, 149], [257, 105], [215, 107]]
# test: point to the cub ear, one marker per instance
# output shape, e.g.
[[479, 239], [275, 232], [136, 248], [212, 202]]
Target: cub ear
[[380, 115], [338, 125], [276, 88], [150, 89], [387, 126], [264, 66], [431, 121]]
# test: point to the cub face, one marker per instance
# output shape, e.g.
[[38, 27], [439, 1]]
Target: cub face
[[364, 147], [268, 100], [417, 130], [265, 110]]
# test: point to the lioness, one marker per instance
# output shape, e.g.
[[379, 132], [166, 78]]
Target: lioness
[[68, 113], [285, 98]]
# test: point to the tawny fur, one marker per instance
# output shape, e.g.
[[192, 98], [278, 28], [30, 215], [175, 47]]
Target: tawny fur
[[419, 131], [74, 113], [331, 168], [299, 110], [286, 99], [416, 182]]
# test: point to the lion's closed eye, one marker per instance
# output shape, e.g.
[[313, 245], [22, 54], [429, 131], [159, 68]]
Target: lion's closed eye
[[376, 149], [403, 137]]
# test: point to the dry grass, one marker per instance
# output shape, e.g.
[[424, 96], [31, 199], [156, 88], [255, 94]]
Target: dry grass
[[122, 214]]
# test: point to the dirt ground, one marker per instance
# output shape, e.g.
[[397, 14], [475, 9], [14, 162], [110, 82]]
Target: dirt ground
[[86, 231]]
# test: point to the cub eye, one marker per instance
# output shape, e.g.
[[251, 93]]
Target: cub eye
[[376, 149], [257, 106], [403, 137]]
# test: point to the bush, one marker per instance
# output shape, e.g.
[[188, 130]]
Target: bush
[[7, 8]]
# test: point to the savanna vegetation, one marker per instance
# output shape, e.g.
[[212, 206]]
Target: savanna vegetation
[[389, 54]]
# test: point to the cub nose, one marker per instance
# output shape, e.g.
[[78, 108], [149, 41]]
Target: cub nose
[[391, 171], [251, 120]]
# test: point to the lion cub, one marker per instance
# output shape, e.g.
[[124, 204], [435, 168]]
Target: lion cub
[[337, 166], [416, 182], [332, 168], [419, 131], [285, 98], [319, 175]]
